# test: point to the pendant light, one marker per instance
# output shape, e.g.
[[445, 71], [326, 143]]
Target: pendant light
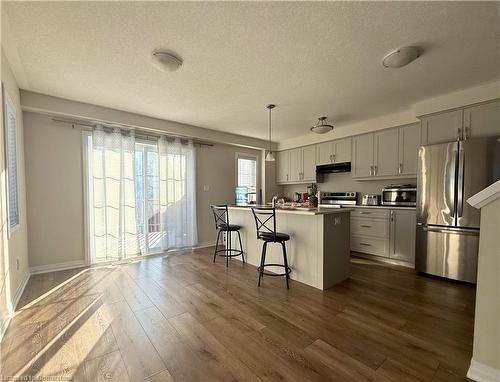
[[270, 154], [321, 127]]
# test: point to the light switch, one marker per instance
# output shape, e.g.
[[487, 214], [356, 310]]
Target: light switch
[[206, 187], [337, 220]]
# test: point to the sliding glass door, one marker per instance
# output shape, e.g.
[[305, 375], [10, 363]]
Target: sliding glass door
[[147, 193]]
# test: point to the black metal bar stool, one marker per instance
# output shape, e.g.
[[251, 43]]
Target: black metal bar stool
[[221, 217], [265, 221]]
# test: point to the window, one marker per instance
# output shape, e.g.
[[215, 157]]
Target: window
[[247, 174], [11, 165]]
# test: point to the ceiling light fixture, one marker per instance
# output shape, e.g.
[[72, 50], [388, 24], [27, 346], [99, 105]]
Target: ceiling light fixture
[[165, 61], [401, 57], [321, 127], [270, 155]]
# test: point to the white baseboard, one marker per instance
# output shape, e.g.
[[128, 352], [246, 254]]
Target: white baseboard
[[57, 267], [205, 244], [482, 373], [15, 301]]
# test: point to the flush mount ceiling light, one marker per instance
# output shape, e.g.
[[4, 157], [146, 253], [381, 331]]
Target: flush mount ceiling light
[[165, 61], [401, 57], [270, 154], [321, 127]]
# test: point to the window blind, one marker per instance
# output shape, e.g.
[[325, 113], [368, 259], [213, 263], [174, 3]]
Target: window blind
[[11, 151]]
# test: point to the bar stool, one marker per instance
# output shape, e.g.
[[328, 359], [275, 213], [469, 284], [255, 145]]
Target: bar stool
[[221, 217], [265, 221]]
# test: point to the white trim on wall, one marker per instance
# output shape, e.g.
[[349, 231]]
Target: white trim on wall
[[482, 373], [57, 267], [14, 302]]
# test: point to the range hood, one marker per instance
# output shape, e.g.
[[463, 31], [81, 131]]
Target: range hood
[[333, 168]]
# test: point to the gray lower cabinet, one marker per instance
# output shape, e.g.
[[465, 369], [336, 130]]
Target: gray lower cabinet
[[385, 233], [402, 235]]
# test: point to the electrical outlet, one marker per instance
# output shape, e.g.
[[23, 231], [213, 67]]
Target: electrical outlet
[[206, 187], [17, 264], [337, 220]]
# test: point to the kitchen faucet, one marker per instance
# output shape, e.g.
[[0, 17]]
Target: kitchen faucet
[[274, 200]]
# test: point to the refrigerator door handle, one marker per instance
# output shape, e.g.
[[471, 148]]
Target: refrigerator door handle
[[462, 231], [450, 181], [460, 184]]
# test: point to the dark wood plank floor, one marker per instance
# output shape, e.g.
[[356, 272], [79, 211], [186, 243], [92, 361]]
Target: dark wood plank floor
[[179, 317]]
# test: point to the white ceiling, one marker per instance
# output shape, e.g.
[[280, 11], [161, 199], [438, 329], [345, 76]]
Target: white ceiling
[[310, 59]]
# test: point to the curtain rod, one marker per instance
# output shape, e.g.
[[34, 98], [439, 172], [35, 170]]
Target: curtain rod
[[141, 132]]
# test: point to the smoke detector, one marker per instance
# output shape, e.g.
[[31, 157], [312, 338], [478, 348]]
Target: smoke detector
[[165, 61], [401, 57]]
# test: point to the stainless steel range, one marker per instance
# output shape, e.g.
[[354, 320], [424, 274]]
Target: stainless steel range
[[337, 199]]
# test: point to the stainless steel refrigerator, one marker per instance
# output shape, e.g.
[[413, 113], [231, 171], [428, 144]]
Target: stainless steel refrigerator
[[447, 226]]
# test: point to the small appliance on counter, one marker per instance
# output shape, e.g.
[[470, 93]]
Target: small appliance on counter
[[370, 200], [403, 195], [337, 199]]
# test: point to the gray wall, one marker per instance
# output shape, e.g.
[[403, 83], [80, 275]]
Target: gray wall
[[54, 171]]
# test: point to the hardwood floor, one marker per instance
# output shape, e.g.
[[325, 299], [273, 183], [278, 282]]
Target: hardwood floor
[[180, 317]]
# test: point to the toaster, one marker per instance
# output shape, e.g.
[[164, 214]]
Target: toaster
[[370, 200]]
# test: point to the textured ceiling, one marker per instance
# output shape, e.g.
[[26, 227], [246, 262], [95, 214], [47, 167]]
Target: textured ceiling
[[310, 59]]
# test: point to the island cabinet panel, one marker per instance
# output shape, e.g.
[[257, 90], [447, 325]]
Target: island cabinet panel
[[318, 249], [362, 165], [324, 153], [442, 127], [309, 163], [385, 153], [409, 142], [282, 166], [482, 120], [403, 229]]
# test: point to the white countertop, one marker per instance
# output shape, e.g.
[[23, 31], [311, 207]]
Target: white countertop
[[299, 211]]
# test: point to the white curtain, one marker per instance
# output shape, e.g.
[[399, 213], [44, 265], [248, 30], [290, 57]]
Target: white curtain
[[114, 218], [177, 193]]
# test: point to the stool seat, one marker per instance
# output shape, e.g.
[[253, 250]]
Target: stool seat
[[228, 227], [278, 237]]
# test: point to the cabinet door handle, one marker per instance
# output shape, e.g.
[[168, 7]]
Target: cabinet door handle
[[365, 213], [333, 156], [371, 170], [459, 134], [365, 244], [287, 177], [392, 216], [375, 170], [400, 168], [467, 132], [366, 226]]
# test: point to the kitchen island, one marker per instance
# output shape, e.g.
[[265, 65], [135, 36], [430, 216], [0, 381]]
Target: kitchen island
[[318, 250]]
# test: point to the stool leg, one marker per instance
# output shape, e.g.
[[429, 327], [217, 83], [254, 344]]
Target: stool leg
[[262, 261], [216, 244], [241, 247], [228, 249], [286, 264]]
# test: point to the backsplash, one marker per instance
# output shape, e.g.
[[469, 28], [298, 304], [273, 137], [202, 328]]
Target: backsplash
[[343, 182]]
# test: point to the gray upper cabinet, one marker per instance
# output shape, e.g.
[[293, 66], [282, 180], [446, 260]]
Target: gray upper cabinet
[[282, 166], [409, 142], [309, 163], [324, 153], [295, 165], [342, 150], [402, 235], [385, 161], [362, 156], [442, 127], [482, 120]]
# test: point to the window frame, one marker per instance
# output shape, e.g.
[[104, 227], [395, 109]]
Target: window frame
[[7, 102], [243, 155]]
